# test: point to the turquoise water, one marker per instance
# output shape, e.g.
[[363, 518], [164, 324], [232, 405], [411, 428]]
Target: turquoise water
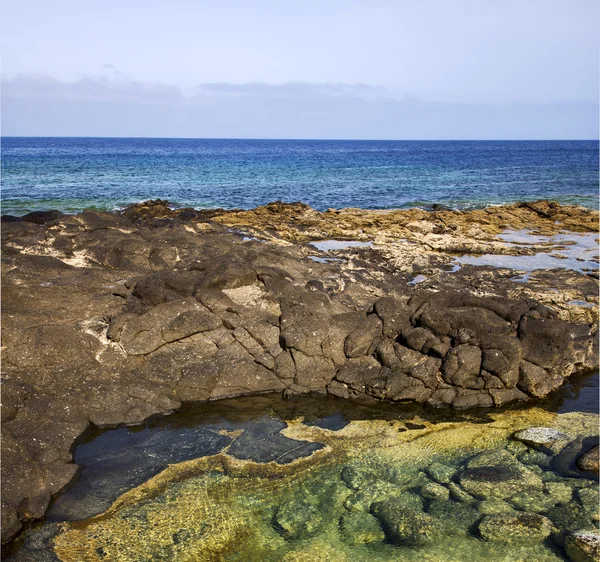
[[71, 174]]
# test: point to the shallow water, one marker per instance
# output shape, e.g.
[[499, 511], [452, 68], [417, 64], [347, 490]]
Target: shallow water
[[236, 464]]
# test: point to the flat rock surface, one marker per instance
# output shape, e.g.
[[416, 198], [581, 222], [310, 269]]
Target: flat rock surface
[[109, 318]]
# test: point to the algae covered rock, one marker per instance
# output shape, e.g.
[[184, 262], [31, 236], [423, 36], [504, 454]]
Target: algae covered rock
[[298, 518], [590, 501], [405, 526], [439, 472], [569, 517], [433, 491], [494, 507], [522, 527], [360, 528], [455, 518], [583, 546], [497, 475]]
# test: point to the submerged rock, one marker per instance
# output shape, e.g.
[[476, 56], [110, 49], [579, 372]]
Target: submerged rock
[[497, 475], [298, 518], [406, 526], [520, 527], [360, 528], [439, 472], [583, 546]]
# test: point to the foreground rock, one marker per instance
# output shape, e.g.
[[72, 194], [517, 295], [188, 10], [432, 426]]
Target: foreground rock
[[111, 318]]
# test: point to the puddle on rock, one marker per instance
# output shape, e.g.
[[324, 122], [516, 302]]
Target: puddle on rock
[[310, 479], [578, 252], [325, 260], [328, 245], [417, 279], [584, 304]]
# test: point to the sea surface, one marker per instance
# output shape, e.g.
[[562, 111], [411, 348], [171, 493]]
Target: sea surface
[[71, 174]]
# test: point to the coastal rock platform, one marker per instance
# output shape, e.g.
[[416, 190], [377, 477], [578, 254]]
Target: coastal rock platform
[[109, 318]]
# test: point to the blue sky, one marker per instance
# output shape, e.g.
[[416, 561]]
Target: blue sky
[[310, 69]]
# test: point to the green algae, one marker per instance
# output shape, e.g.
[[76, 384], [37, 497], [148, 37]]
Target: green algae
[[359, 498]]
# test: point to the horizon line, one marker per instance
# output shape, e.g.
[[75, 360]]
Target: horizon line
[[597, 139]]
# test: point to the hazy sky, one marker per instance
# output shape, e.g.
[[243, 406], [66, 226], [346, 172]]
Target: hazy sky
[[363, 68]]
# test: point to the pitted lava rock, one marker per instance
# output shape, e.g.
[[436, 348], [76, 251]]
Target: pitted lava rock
[[109, 318]]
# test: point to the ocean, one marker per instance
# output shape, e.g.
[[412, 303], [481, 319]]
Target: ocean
[[71, 174]]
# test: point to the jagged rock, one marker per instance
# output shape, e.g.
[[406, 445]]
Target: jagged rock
[[364, 339], [534, 379], [394, 315], [462, 366]]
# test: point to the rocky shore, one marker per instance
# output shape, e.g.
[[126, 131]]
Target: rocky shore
[[109, 318]]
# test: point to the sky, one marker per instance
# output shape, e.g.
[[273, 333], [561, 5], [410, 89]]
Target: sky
[[439, 69]]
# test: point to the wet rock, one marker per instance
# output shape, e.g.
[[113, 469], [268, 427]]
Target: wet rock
[[546, 438], [589, 460], [466, 399], [503, 397], [583, 546], [360, 528], [522, 527], [405, 526], [565, 462]]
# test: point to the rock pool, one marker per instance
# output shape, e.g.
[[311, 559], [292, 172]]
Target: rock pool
[[308, 479]]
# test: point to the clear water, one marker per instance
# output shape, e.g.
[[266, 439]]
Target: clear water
[[71, 174]]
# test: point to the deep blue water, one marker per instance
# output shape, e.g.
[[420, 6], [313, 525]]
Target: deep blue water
[[71, 174]]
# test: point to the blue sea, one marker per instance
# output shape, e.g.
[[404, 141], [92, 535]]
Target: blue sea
[[71, 174]]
